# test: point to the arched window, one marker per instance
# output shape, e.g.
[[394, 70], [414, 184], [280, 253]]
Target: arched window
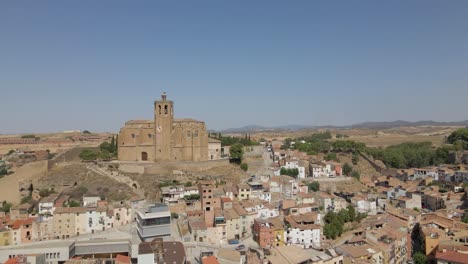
[[165, 109], [159, 109], [144, 156]]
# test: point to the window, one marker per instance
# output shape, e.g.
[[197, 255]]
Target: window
[[189, 134], [196, 134], [133, 135], [159, 109], [149, 135], [165, 109]]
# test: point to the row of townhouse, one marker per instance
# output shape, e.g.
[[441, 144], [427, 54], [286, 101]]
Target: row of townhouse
[[441, 173], [220, 225], [303, 230], [172, 194], [74, 221], [381, 239], [292, 164], [64, 223]]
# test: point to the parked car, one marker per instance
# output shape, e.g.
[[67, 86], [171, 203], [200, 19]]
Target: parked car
[[240, 247], [233, 241]]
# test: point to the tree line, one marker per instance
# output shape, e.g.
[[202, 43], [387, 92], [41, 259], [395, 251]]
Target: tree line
[[404, 155], [334, 222], [106, 151], [231, 140]]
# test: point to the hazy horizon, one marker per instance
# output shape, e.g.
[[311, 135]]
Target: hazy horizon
[[95, 65]]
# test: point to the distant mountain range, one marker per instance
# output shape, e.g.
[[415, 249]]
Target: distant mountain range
[[365, 125]]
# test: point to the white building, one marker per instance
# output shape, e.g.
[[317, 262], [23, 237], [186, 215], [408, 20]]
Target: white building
[[97, 220], [47, 206], [303, 230], [426, 172], [265, 196], [153, 221], [318, 171], [293, 164], [90, 201]]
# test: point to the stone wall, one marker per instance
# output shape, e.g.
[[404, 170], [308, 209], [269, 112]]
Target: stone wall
[[171, 167], [23, 177]]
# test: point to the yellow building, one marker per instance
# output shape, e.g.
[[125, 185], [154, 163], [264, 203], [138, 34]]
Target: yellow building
[[5, 237], [165, 138]]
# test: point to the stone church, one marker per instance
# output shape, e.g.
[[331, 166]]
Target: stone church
[[165, 138]]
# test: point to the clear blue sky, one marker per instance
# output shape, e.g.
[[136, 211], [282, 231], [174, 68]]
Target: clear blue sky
[[96, 64]]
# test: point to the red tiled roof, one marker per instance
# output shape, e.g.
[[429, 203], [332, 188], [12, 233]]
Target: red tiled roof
[[121, 259], [452, 256], [210, 260], [19, 222], [14, 260]]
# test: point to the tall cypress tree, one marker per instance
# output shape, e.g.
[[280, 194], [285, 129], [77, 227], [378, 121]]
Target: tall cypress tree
[[116, 146], [112, 144]]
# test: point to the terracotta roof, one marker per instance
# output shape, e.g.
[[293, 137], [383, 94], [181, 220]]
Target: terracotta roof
[[121, 259], [226, 199], [19, 222], [452, 256], [210, 260], [14, 260], [70, 210]]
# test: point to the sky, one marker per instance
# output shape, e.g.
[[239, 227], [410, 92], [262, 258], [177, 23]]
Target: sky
[[93, 65]]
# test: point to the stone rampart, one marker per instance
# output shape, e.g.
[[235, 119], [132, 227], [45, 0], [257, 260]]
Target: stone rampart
[[171, 167]]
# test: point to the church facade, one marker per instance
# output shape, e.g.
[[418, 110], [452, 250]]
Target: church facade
[[165, 139]]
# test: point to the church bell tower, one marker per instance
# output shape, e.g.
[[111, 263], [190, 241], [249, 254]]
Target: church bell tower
[[163, 119]]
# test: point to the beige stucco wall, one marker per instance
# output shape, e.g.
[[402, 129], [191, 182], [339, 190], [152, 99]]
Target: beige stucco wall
[[214, 150], [64, 225]]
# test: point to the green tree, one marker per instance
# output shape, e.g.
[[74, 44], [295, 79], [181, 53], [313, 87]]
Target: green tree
[[331, 156], [88, 155], [112, 144], [26, 199], [290, 172], [355, 158], [237, 152], [244, 166], [459, 135], [188, 184], [82, 190], [73, 203], [192, 197], [419, 258], [116, 147], [3, 172], [347, 169], [313, 186], [6, 206], [351, 213], [356, 175], [104, 155], [465, 217], [46, 192], [106, 146]]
